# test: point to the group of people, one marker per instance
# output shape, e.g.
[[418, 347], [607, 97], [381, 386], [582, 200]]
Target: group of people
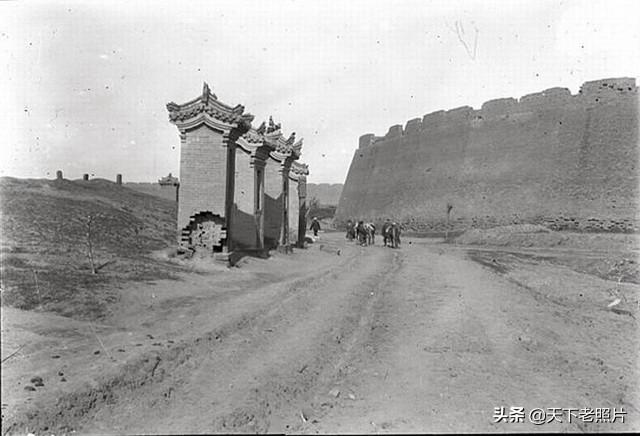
[[365, 232]]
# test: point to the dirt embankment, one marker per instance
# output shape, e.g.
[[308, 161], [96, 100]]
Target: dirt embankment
[[612, 256], [44, 251]]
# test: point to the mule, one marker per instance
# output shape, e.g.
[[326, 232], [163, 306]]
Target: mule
[[351, 231], [370, 230], [366, 233], [392, 236]]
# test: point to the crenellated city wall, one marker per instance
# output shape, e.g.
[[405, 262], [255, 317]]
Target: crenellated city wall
[[565, 161]]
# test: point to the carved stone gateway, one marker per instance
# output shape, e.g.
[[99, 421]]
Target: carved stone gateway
[[234, 180]]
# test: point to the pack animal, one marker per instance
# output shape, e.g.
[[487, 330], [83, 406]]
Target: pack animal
[[370, 228], [391, 235], [366, 233], [351, 230]]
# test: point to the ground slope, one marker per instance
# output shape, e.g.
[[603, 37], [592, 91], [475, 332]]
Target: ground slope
[[340, 338], [44, 258]]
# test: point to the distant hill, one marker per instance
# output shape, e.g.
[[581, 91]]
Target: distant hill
[[328, 194], [43, 257]]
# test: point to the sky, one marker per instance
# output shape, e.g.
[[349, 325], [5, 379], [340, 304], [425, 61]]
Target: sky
[[84, 85]]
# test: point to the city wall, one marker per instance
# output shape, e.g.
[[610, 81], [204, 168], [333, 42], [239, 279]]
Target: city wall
[[565, 161], [327, 194]]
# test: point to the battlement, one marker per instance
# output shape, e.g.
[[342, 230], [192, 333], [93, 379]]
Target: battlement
[[459, 114], [433, 119], [394, 132], [550, 158], [591, 93], [499, 106], [608, 90], [368, 139], [413, 126], [623, 84], [548, 97]]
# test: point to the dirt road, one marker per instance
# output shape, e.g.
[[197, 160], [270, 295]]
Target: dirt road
[[341, 338]]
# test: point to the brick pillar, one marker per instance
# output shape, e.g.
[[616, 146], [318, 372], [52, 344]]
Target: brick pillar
[[284, 219], [230, 193], [302, 212], [208, 132], [258, 199], [285, 211]]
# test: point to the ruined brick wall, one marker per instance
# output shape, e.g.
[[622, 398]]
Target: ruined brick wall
[[565, 161], [202, 174]]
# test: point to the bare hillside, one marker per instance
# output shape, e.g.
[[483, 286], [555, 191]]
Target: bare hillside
[[44, 243]]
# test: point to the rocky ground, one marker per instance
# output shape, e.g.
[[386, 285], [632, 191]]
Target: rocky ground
[[337, 338]]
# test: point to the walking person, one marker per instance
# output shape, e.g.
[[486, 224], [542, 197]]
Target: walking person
[[385, 231], [361, 233], [315, 226]]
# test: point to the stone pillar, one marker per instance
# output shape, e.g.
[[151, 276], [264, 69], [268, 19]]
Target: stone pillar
[[118, 179], [302, 212], [59, 175], [85, 177]]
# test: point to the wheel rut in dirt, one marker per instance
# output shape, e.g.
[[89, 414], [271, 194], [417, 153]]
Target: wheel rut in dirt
[[268, 371], [255, 372]]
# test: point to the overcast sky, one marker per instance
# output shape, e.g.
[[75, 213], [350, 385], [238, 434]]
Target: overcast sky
[[84, 85]]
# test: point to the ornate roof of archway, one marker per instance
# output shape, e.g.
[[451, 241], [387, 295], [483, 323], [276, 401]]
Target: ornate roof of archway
[[207, 109], [298, 169]]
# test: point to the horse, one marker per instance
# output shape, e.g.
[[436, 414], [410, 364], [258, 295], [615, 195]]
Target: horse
[[361, 233], [391, 235], [370, 228], [351, 231], [366, 233]]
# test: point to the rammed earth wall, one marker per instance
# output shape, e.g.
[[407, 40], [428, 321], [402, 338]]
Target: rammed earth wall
[[565, 161]]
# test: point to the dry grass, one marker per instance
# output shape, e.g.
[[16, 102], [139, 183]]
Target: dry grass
[[44, 262]]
